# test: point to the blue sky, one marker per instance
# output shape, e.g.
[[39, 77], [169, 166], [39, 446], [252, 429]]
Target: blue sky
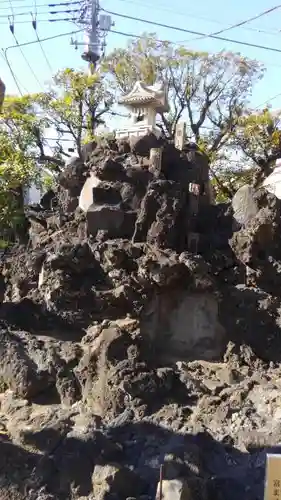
[[203, 16]]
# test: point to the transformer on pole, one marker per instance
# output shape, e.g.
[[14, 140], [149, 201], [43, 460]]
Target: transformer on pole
[[96, 27], [91, 37]]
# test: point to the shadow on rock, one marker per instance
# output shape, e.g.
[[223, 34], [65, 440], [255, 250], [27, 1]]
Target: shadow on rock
[[72, 466], [34, 318], [208, 466], [251, 316]]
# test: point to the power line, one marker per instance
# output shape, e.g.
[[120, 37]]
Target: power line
[[34, 25], [12, 29], [132, 35], [268, 31], [42, 39], [66, 19], [242, 23], [177, 44], [62, 139], [18, 14], [68, 11], [182, 30], [15, 1], [26, 44], [11, 5], [237, 25], [269, 100], [39, 5], [174, 43], [12, 72]]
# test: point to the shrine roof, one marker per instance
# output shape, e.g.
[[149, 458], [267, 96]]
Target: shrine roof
[[142, 94]]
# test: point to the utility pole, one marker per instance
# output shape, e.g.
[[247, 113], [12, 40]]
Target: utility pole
[[96, 27], [91, 52]]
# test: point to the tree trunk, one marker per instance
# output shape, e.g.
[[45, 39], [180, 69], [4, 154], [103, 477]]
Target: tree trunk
[[2, 93], [19, 224]]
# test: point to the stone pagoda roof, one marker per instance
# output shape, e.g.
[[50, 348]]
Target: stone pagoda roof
[[152, 95]]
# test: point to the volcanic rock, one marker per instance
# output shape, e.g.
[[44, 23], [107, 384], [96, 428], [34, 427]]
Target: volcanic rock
[[123, 350]]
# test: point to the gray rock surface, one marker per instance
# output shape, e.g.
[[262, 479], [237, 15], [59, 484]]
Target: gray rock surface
[[121, 350], [244, 205]]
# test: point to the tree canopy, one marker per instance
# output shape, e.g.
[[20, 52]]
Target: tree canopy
[[210, 92], [258, 136], [76, 104], [17, 169]]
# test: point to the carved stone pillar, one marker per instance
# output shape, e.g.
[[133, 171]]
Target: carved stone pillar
[[180, 135], [156, 161], [193, 236]]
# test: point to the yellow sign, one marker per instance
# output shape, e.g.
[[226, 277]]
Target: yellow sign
[[272, 490]]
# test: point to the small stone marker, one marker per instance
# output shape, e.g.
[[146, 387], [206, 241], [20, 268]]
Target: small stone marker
[[86, 198], [180, 135], [194, 188], [156, 160], [272, 489], [174, 489]]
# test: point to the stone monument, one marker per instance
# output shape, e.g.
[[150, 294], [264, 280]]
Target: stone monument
[[155, 160], [144, 102], [86, 198], [180, 133]]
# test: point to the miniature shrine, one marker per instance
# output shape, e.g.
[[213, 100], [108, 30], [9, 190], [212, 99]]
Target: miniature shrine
[[144, 102]]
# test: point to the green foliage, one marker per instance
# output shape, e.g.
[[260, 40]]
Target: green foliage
[[208, 91], [228, 180], [48, 182], [19, 129], [3, 244], [17, 169], [76, 104], [22, 120], [258, 135]]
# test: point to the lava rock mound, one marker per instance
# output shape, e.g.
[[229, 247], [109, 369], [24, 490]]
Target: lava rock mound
[[124, 348]]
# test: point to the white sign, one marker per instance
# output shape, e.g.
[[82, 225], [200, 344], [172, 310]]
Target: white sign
[[272, 489]]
